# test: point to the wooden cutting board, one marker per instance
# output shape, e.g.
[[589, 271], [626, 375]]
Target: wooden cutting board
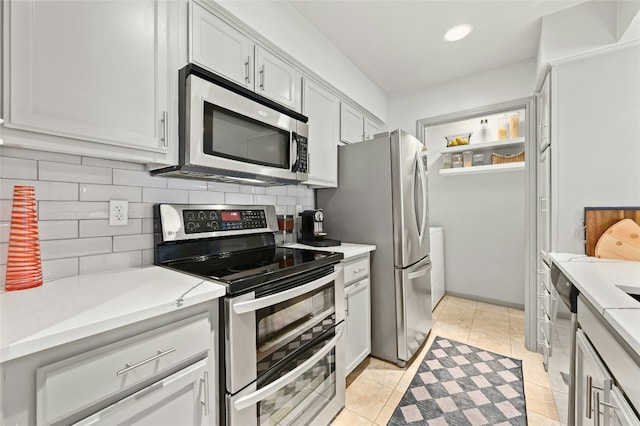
[[621, 241], [599, 219]]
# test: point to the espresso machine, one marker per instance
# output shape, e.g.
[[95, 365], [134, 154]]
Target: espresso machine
[[312, 229]]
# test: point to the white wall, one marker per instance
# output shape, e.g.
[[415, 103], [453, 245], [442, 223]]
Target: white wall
[[286, 28], [483, 216], [595, 139]]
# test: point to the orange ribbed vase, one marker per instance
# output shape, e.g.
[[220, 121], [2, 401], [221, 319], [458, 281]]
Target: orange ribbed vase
[[24, 267]]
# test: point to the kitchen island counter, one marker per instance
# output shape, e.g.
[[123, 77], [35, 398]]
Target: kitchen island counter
[[73, 308]]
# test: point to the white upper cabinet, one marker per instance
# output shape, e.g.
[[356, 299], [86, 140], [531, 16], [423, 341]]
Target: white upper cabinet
[[99, 73], [323, 110], [217, 46], [370, 129], [277, 80], [351, 124]]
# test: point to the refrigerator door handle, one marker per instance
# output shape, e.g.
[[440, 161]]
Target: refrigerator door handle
[[420, 173], [420, 272]]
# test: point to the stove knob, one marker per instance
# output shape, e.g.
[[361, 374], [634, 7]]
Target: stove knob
[[191, 226]]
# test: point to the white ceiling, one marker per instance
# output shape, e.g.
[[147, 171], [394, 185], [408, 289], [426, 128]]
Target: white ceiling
[[399, 44]]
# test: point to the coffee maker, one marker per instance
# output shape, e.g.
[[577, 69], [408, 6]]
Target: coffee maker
[[312, 229]]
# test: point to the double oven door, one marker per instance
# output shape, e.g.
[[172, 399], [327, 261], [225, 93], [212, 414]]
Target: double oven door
[[284, 351]]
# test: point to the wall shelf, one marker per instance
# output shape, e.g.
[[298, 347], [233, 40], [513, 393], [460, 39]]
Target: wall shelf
[[484, 145], [490, 168]]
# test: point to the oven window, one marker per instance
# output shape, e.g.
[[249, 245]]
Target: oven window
[[287, 327], [299, 402], [231, 135]]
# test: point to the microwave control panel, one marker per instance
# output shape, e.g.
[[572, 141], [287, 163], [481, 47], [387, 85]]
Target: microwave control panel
[[202, 221], [302, 163]]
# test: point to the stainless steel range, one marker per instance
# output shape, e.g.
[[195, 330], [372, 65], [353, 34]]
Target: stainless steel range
[[283, 312]]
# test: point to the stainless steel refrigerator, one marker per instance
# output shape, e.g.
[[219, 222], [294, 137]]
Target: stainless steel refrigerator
[[382, 199]]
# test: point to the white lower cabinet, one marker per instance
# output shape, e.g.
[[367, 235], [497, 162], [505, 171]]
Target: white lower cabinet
[[162, 376], [357, 295], [593, 382], [180, 399]]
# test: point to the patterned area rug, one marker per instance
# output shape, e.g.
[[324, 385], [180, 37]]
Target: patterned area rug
[[458, 384]]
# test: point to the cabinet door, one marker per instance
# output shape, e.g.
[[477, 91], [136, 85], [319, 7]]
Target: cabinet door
[[621, 414], [184, 398], [358, 320], [370, 129], [543, 220], [544, 114], [591, 377], [323, 110], [351, 124], [93, 71], [277, 80], [217, 46]]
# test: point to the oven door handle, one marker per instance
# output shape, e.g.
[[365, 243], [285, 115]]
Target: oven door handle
[[274, 299], [265, 392]]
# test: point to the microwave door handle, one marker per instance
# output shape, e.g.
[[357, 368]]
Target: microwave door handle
[[293, 155], [283, 296], [271, 388]]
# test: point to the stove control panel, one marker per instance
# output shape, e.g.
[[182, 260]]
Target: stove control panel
[[202, 221]]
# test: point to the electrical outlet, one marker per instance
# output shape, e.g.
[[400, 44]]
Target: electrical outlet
[[118, 212]]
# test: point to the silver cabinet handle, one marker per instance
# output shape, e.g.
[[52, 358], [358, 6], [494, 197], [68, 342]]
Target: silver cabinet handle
[[588, 395], [596, 408], [165, 126], [205, 384], [247, 77], [346, 306], [273, 387], [146, 361], [262, 77], [357, 271]]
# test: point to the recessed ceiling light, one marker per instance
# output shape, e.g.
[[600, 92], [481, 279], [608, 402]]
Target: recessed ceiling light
[[458, 32]]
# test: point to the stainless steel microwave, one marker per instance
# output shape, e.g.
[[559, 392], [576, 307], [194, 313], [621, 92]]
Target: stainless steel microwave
[[228, 133]]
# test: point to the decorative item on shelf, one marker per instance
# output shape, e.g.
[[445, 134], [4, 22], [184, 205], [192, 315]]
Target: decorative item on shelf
[[459, 139], [478, 159], [457, 160], [484, 130], [502, 159], [467, 158], [24, 267], [514, 124], [446, 161], [503, 127]]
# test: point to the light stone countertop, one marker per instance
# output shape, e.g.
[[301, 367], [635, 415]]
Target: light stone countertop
[[347, 249], [69, 309], [598, 280]]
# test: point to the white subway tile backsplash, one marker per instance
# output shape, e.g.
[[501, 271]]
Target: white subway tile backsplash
[[63, 172], [59, 268], [147, 257], [30, 154], [208, 197], [157, 195], [140, 210], [232, 198], [109, 262], [114, 164], [267, 200], [101, 228], [18, 168], [132, 242], [137, 178], [286, 201], [110, 192], [57, 229], [188, 184], [5, 230], [60, 210], [248, 189], [73, 193], [276, 190], [223, 187], [147, 226], [50, 191], [58, 249]]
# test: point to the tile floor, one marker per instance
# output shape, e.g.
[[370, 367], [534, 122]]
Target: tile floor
[[375, 387]]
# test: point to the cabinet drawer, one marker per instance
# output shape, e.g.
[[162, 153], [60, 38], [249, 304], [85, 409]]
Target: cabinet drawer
[[356, 270], [74, 384]]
